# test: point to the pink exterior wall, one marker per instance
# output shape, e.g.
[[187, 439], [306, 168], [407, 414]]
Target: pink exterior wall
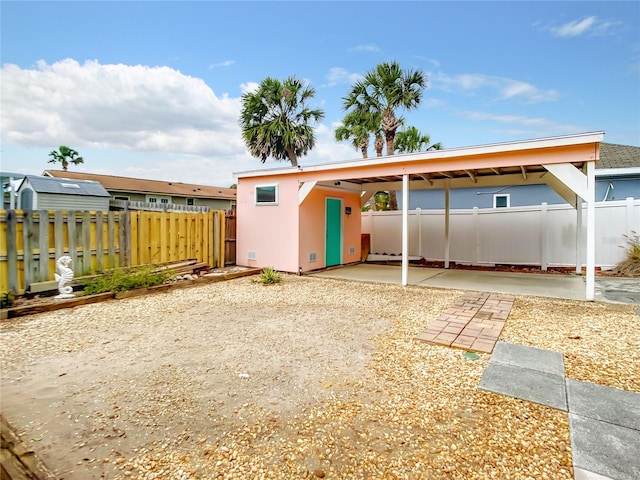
[[312, 227], [271, 231]]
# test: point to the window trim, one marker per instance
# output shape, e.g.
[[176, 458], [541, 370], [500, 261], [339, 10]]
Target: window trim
[[158, 199], [501, 195], [276, 188]]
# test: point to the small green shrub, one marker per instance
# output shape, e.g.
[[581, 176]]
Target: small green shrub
[[630, 266], [269, 276], [127, 279], [6, 299]]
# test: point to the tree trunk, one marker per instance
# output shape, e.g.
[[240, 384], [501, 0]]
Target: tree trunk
[[292, 158], [379, 145], [393, 200]]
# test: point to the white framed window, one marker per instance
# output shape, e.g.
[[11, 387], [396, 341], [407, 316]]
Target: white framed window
[[191, 201], [158, 199], [502, 200], [267, 194], [121, 197]]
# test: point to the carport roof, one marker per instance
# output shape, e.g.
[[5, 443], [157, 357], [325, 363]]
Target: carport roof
[[520, 157]]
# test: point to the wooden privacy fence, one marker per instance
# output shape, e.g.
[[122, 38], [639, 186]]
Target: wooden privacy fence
[[31, 241]]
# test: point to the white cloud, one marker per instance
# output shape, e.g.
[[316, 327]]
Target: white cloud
[[249, 87], [369, 47], [140, 121], [339, 75], [137, 108], [514, 88], [574, 28], [226, 63], [522, 125], [587, 26], [506, 88]]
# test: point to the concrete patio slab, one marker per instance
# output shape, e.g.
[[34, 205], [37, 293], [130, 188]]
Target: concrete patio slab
[[570, 286], [562, 286], [605, 404], [581, 474], [372, 272], [604, 449], [525, 384], [529, 357]]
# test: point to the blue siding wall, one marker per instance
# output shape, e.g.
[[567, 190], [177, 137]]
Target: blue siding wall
[[520, 195]]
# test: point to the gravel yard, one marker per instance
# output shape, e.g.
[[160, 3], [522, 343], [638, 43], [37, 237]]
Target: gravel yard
[[312, 378]]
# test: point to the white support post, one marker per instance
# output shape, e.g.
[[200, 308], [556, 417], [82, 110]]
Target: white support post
[[578, 235], [405, 230], [591, 232], [476, 231], [418, 212], [446, 223], [544, 253]]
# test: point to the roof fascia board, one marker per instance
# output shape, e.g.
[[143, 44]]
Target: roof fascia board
[[567, 140], [617, 172]]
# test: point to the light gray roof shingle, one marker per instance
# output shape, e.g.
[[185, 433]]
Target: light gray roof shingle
[[67, 187], [613, 155]]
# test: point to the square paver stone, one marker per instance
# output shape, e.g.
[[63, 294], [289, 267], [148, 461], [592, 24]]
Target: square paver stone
[[526, 384], [529, 357], [604, 448], [608, 404]]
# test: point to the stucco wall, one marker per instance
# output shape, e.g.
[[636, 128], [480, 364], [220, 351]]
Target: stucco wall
[[268, 231], [312, 227]]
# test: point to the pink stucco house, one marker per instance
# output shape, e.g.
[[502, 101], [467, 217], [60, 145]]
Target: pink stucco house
[[308, 218]]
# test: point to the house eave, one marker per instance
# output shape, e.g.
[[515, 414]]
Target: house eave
[[566, 140], [618, 172]]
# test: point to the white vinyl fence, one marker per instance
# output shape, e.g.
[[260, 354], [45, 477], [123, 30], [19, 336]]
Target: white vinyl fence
[[543, 235]]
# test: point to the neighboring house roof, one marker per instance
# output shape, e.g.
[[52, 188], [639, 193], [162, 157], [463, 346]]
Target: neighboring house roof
[[613, 155], [65, 186], [140, 185]]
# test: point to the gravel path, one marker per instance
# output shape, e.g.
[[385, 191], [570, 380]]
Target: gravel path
[[309, 378]]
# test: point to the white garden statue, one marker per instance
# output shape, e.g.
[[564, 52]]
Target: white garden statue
[[64, 276]]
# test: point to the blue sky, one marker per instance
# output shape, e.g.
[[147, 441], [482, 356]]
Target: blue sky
[[152, 89]]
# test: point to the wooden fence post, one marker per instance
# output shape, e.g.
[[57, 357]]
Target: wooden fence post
[[12, 251], [27, 250], [43, 243]]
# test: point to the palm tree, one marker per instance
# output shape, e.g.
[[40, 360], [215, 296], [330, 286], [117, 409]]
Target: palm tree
[[385, 90], [275, 120], [357, 127], [65, 155], [412, 140]]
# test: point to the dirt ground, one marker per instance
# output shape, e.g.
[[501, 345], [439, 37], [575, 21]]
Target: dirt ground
[[310, 378]]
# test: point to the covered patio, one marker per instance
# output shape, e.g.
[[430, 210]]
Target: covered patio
[[566, 164], [537, 284]]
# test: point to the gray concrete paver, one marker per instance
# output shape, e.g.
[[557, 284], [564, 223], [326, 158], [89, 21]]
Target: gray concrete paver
[[604, 448], [529, 357], [606, 404], [526, 384]]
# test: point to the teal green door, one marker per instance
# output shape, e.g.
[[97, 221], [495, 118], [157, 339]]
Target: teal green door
[[333, 232]]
